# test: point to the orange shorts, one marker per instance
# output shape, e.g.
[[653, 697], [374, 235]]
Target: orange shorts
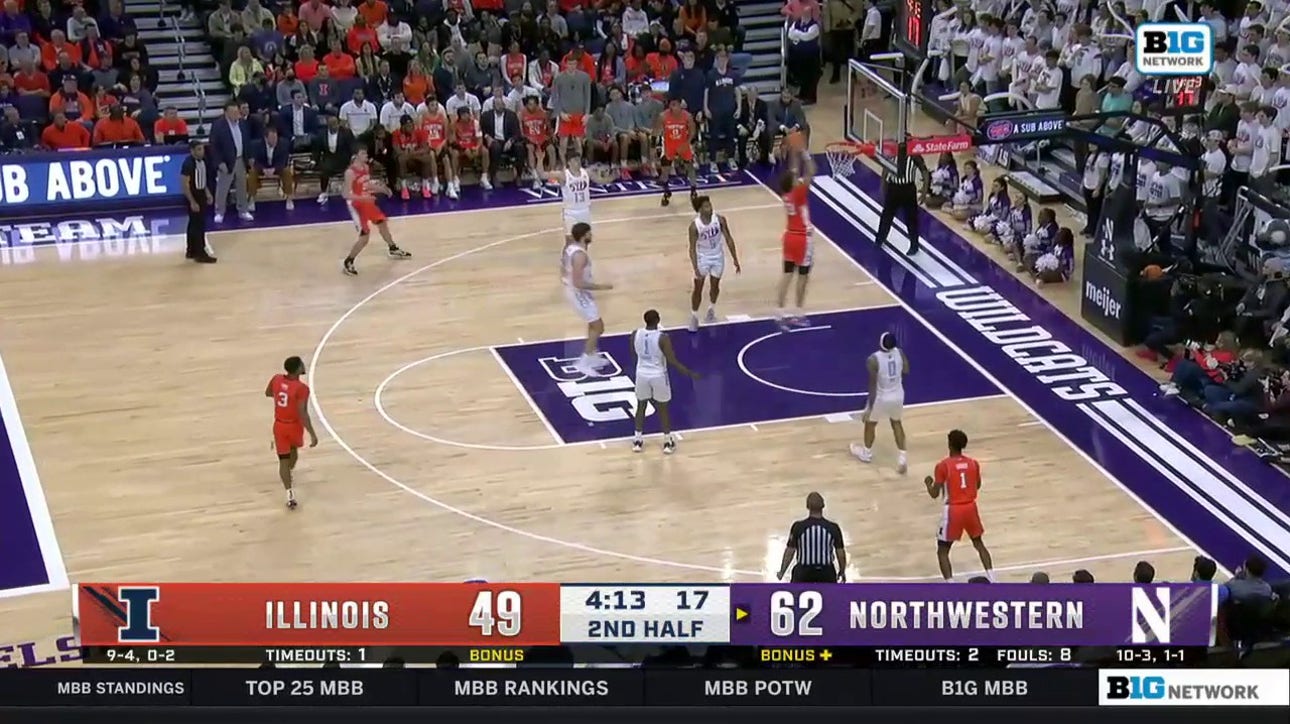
[[574, 127], [959, 519], [288, 436], [798, 249], [678, 152], [365, 214]]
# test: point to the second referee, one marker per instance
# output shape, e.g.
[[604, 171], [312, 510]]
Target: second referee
[[816, 543]]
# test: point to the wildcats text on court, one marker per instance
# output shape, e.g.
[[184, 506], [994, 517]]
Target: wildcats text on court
[[283, 615], [1042, 615]]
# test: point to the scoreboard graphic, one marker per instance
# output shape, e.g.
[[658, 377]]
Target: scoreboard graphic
[[532, 651], [189, 621]]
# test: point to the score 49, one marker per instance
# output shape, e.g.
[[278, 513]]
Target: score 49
[[503, 612]]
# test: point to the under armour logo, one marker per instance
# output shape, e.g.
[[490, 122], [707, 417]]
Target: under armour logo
[[1106, 245]]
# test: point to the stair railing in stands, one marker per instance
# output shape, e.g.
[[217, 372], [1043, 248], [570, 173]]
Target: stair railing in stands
[[181, 74], [783, 54]]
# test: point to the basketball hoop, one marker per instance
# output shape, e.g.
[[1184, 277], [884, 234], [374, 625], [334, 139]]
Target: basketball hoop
[[842, 156]]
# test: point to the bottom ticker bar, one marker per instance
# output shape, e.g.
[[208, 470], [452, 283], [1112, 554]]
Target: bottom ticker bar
[[547, 687]]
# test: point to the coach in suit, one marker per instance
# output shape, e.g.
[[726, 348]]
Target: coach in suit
[[271, 159], [230, 147], [334, 147], [501, 129], [298, 123]]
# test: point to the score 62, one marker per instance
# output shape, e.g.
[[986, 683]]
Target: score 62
[[794, 615]]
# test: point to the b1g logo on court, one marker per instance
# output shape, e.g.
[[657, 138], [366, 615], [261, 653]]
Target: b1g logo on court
[[1174, 48], [608, 398]]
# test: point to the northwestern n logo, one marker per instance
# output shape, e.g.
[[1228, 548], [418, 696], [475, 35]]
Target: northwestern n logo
[[1151, 619], [138, 628]]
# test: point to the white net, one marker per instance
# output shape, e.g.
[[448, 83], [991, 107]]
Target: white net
[[842, 159]]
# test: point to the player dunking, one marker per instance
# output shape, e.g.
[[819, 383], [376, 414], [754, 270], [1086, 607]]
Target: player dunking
[[359, 187], [575, 192], [794, 189], [676, 125], [290, 420], [653, 353], [959, 477], [709, 238], [887, 369], [575, 273]]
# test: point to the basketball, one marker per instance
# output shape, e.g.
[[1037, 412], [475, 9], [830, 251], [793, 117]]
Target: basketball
[[1152, 272], [795, 140]]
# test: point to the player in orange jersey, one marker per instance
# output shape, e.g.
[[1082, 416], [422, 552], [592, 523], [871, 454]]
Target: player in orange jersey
[[290, 420], [360, 191], [676, 125], [795, 189], [959, 478], [467, 146], [535, 124], [434, 121]]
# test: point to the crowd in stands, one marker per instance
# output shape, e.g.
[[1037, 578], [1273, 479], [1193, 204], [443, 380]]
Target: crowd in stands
[[500, 90], [75, 75]]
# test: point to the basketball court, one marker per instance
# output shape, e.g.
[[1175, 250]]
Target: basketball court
[[456, 443]]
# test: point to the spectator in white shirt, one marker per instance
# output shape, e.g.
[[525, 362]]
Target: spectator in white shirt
[[394, 35], [1224, 66], [461, 99], [1164, 199], [1097, 165], [78, 24], [394, 110], [1214, 19], [1267, 149], [519, 91], [343, 14], [1246, 75], [359, 114], [1263, 90], [1048, 86], [1241, 147], [991, 57], [635, 22]]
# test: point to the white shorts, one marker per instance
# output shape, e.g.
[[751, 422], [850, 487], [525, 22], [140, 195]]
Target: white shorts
[[584, 304], [887, 407], [576, 217], [654, 387], [711, 266]]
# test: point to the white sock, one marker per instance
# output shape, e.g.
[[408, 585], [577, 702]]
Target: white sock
[[638, 436], [900, 457], [950, 579], [990, 575], [712, 307], [694, 313], [667, 437], [866, 451]]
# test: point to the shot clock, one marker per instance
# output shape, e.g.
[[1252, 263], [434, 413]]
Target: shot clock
[[638, 614], [913, 26]]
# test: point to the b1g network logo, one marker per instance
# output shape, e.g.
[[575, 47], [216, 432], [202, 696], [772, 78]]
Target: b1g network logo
[[1174, 48]]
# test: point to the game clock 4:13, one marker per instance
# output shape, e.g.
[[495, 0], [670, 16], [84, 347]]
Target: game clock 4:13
[[913, 26]]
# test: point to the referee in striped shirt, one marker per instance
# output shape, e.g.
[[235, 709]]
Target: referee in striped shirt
[[816, 543], [901, 195]]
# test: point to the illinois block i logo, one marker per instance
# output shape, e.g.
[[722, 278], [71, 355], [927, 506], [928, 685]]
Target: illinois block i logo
[[1174, 48]]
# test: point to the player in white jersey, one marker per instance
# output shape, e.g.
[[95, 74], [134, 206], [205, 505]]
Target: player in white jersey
[[709, 237], [575, 273], [575, 193], [652, 352], [887, 369]]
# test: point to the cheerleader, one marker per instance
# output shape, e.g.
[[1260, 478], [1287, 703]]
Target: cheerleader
[[996, 209], [1018, 226], [1057, 265], [944, 180], [1038, 242], [966, 201]]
